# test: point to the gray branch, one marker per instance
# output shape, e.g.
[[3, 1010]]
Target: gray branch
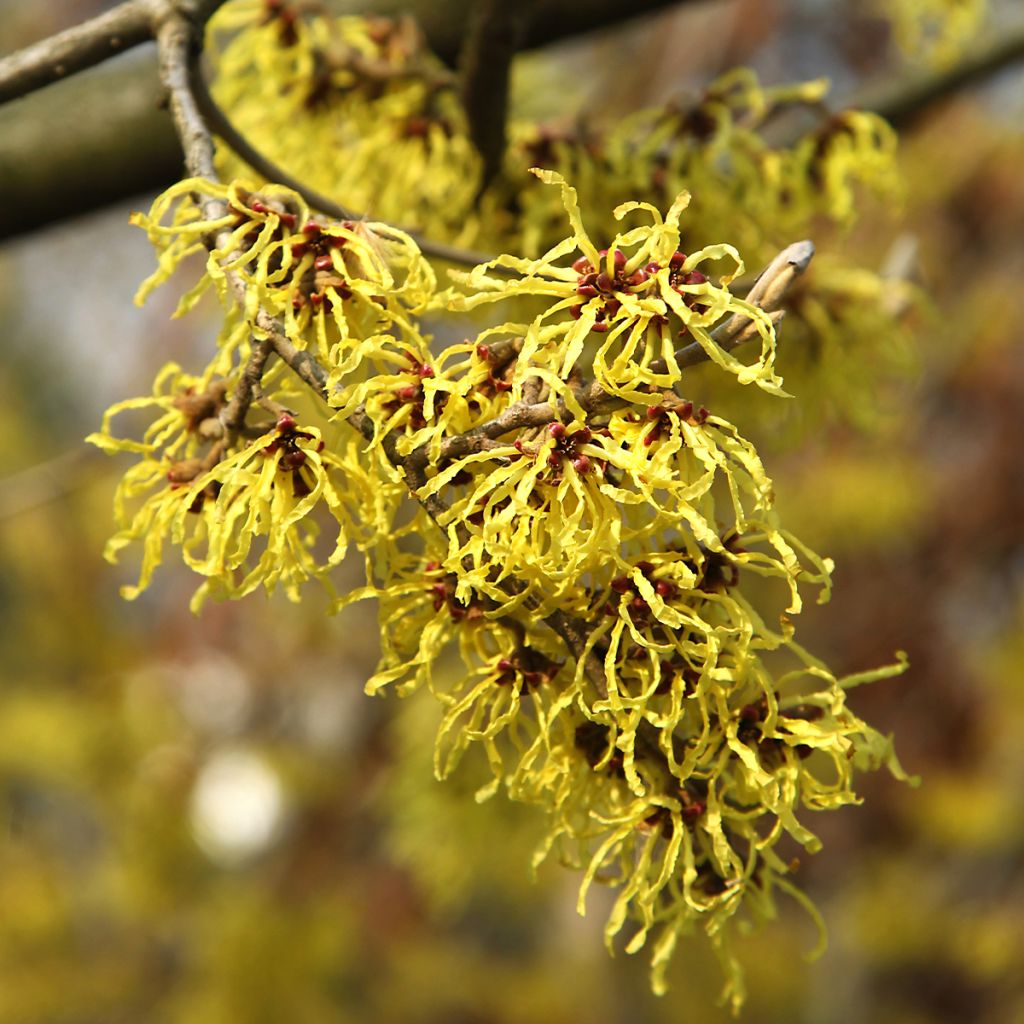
[[78, 48], [902, 101], [74, 147]]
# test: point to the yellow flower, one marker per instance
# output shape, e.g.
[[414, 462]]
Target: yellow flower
[[243, 518], [626, 307], [346, 291]]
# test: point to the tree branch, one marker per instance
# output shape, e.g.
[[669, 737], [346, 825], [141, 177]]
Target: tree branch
[[906, 99], [174, 45], [496, 30], [78, 146], [767, 293], [221, 125], [83, 46], [118, 144]]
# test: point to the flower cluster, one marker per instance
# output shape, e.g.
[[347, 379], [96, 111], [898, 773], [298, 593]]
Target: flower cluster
[[599, 549], [368, 88], [938, 30]]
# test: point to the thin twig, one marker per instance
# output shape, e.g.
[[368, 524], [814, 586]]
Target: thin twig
[[767, 293], [221, 124], [76, 49], [47, 481], [233, 414]]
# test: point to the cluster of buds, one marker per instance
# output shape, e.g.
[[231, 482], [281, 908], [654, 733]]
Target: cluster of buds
[[567, 449], [639, 609], [496, 382], [527, 669], [324, 273], [591, 739], [411, 393], [201, 409], [717, 572], [254, 203], [670, 669], [770, 748], [285, 17], [594, 282], [291, 457], [543, 149], [662, 417], [678, 278], [182, 472], [418, 126], [692, 797], [442, 588]]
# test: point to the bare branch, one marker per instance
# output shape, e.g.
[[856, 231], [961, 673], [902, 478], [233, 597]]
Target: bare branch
[[233, 414], [902, 101], [80, 145], [496, 30], [174, 44], [83, 46]]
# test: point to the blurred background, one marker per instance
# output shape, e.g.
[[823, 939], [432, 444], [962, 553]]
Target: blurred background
[[205, 820]]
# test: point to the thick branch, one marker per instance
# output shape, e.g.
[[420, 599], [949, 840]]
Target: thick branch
[[80, 145], [444, 21], [118, 144], [902, 101], [78, 48], [495, 34]]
